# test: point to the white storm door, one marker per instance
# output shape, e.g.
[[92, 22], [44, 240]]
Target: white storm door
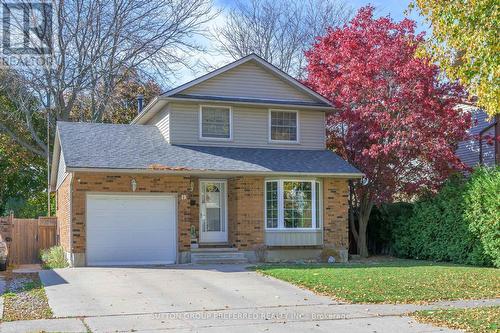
[[213, 211]]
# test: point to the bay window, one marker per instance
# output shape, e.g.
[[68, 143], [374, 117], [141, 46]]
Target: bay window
[[293, 204]]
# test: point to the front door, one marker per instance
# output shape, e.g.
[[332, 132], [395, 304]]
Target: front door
[[213, 211]]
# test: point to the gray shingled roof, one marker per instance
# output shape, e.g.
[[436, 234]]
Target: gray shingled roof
[[86, 145]]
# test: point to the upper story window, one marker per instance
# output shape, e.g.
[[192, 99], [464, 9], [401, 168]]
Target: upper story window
[[215, 122], [284, 126]]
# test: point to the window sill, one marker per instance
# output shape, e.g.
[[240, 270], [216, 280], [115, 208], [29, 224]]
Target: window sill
[[281, 142], [215, 139], [294, 230]]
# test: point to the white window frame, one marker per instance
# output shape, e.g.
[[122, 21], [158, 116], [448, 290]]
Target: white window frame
[[200, 123], [316, 224], [297, 141]]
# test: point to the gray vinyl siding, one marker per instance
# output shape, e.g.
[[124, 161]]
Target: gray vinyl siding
[[250, 127], [61, 170], [468, 151], [294, 238], [162, 121], [249, 80]]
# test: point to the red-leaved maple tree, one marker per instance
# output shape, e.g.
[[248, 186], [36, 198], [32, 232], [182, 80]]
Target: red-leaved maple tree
[[396, 120]]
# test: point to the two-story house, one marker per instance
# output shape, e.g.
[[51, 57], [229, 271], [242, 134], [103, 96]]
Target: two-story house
[[234, 161], [481, 148]]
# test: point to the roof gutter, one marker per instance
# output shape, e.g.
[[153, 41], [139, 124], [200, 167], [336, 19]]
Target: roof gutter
[[216, 172], [267, 103]]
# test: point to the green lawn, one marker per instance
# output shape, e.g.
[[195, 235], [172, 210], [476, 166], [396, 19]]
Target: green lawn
[[478, 320], [398, 281]]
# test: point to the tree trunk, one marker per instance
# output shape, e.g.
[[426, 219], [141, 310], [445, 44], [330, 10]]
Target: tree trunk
[[362, 244], [365, 209]]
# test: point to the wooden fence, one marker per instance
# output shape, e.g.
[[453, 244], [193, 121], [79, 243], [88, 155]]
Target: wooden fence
[[26, 237]]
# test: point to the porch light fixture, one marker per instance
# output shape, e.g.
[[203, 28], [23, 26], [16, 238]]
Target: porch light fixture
[[133, 183]]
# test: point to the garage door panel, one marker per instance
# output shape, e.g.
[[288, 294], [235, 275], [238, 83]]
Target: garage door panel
[[130, 230]]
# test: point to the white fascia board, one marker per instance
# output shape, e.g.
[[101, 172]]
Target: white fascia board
[[55, 161], [157, 104]]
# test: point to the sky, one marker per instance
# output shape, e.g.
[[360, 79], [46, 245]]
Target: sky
[[394, 8]]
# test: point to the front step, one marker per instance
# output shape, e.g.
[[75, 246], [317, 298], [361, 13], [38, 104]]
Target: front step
[[218, 245], [217, 256]]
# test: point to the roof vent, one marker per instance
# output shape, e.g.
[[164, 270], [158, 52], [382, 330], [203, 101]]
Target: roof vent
[[140, 102]]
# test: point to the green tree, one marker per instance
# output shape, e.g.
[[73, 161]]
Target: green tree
[[22, 178], [122, 106], [23, 170], [465, 43]]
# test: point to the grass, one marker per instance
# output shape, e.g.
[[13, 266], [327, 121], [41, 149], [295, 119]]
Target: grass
[[53, 258], [26, 300], [484, 319], [399, 281]]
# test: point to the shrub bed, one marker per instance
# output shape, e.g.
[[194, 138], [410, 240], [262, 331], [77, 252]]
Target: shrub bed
[[53, 258], [460, 224]]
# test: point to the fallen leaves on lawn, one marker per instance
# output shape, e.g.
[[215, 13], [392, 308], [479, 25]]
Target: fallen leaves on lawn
[[475, 320], [25, 298]]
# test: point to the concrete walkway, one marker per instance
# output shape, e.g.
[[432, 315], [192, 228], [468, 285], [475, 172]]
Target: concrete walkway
[[367, 318]]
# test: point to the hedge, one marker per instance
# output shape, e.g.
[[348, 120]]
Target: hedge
[[460, 224]]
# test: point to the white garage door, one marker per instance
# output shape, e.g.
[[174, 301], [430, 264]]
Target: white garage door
[[130, 230]]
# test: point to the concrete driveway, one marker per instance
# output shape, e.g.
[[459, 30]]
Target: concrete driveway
[[93, 291], [223, 298]]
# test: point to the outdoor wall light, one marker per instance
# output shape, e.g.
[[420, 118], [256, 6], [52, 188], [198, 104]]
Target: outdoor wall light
[[133, 183], [191, 186]]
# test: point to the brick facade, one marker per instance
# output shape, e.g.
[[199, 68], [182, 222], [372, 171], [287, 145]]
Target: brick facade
[[335, 213], [121, 183], [63, 213], [195, 206], [245, 206], [246, 211]]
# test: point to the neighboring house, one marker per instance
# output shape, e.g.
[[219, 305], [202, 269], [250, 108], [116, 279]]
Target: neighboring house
[[233, 161], [482, 146]]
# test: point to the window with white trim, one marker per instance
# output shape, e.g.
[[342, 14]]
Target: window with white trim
[[293, 204], [283, 125], [215, 122]]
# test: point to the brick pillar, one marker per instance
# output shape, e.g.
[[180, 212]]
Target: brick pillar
[[335, 214], [246, 211]]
